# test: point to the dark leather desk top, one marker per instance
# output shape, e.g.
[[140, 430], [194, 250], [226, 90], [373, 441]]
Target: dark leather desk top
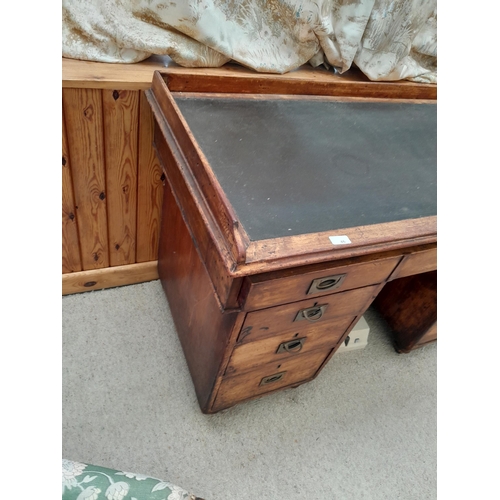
[[293, 167]]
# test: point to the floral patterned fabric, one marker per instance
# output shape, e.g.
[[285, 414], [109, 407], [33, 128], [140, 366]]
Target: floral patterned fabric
[[89, 482], [386, 39]]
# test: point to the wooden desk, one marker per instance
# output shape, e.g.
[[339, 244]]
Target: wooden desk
[[284, 216]]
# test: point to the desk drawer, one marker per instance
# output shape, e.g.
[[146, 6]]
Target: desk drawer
[[269, 377], [417, 263], [287, 286], [250, 355], [299, 317]]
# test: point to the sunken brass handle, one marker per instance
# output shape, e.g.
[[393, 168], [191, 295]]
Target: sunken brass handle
[[312, 314], [291, 346], [326, 283], [272, 378]]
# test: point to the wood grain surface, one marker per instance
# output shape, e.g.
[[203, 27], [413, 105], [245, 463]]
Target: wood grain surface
[[84, 128], [250, 355], [98, 75], [109, 277], [203, 330], [112, 185], [421, 261], [212, 247], [121, 123], [248, 385], [206, 183], [150, 180], [304, 80], [270, 289], [70, 243], [281, 319]]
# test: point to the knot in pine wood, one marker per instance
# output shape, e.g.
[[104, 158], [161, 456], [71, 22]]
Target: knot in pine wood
[[88, 112]]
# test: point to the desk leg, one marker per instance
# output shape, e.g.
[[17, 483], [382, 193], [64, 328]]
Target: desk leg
[[409, 305]]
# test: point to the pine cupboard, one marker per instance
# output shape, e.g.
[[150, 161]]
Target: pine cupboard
[[111, 179]]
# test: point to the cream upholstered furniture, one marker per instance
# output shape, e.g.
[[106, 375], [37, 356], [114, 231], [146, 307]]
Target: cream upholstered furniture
[[91, 482]]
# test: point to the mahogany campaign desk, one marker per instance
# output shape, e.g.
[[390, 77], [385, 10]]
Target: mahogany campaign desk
[[284, 217]]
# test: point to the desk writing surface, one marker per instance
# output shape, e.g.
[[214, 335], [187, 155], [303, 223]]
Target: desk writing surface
[[292, 167]]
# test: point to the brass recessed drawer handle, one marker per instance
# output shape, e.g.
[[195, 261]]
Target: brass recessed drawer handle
[[326, 283], [291, 346], [272, 378], [314, 313]]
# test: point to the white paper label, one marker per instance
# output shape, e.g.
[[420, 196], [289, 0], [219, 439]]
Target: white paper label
[[340, 240]]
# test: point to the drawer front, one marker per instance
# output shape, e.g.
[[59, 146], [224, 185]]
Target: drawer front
[[250, 355], [268, 378], [417, 263], [299, 317], [280, 288]]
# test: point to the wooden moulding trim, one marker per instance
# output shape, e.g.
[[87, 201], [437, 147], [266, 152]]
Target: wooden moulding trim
[[185, 187], [209, 242], [257, 83], [98, 279], [114, 76], [206, 180], [266, 255], [296, 97]]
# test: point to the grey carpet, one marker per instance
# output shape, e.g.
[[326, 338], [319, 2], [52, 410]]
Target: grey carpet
[[364, 429]]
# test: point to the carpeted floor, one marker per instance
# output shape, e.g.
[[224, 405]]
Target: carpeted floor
[[364, 429]]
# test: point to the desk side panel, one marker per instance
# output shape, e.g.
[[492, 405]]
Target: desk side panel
[[203, 329], [210, 242]]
